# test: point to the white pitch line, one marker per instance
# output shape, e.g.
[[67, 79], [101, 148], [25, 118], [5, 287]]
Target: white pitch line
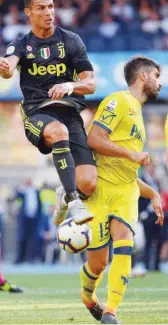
[[62, 304], [76, 290], [126, 307]]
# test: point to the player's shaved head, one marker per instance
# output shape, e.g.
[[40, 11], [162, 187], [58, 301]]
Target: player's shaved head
[[135, 66]]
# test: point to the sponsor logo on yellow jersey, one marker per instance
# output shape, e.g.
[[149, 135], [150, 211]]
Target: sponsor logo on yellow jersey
[[136, 133]]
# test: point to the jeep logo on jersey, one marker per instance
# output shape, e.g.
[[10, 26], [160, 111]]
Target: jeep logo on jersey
[[45, 52], [42, 70]]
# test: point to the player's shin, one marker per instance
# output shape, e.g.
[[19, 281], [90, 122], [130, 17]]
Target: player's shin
[[89, 283], [65, 167], [67, 197], [119, 273]]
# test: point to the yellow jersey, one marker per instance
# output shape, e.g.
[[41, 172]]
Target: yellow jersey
[[166, 132], [121, 116]]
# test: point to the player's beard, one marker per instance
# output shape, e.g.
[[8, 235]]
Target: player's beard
[[150, 92]]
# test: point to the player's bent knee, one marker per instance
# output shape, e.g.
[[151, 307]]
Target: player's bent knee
[[55, 132], [86, 180], [87, 186], [120, 231], [99, 267], [98, 259]]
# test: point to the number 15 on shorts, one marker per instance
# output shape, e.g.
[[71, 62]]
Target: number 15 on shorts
[[104, 229]]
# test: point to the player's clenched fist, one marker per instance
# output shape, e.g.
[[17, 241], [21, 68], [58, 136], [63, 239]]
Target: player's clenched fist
[[5, 69], [4, 66], [141, 158]]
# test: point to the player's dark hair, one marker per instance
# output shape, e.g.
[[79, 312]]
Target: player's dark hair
[[132, 68], [27, 3]]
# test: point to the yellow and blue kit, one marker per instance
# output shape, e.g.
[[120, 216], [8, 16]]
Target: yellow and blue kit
[[117, 191]]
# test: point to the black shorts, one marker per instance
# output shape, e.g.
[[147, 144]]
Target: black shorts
[[36, 122]]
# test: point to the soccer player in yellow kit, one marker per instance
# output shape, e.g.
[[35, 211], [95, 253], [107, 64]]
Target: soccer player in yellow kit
[[117, 137]]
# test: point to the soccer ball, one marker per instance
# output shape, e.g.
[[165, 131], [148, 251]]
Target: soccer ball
[[74, 238]]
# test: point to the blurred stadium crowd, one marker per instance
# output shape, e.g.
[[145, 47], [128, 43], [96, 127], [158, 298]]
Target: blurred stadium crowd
[[104, 25], [28, 233]]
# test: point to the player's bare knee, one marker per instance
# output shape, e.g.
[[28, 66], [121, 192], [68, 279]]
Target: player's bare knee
[[123, 235], [55, 132], [92, 185], [86, 181], [87, 185], [120, 231], [99, 267], [59, 133], [98, 260]]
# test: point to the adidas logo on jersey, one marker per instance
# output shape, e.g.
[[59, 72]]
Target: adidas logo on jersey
[[30, 56]]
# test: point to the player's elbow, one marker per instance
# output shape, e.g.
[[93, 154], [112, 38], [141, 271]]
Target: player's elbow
[[91, 86], [92, 141], [7, 75]]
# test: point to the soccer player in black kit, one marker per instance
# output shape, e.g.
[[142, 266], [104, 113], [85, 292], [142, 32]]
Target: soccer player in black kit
[[55, 74]]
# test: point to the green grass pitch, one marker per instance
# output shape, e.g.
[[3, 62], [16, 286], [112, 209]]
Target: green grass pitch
[[54, 299]]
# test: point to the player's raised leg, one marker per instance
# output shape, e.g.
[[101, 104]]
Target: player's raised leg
[[91, 274], [56, 135], [85, 169], [120, 269]]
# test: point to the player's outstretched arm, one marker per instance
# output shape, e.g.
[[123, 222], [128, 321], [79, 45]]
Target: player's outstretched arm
[[148, 192], [98, 140], [7, 66]]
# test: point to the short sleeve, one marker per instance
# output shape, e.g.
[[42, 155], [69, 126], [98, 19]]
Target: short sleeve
[[14, 48], [79, 56], [166, 132], [109, 115]]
